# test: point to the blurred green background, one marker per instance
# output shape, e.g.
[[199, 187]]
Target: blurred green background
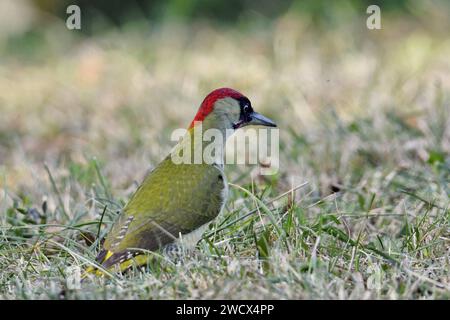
[[225, 12], [138, 69]]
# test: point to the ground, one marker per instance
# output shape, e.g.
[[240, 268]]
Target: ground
[[359, 208]]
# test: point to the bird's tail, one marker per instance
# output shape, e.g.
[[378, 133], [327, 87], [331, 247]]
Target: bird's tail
[[114, 262]]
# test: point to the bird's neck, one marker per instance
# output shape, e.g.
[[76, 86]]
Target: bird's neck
[[204, 143]]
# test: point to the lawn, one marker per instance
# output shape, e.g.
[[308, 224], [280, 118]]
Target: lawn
[[358, 210]]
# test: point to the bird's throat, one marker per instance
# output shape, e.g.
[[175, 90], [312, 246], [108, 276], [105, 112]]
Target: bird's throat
[[201, 146]]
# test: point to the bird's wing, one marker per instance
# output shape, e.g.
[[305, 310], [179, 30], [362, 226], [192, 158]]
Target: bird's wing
[[172, 200]]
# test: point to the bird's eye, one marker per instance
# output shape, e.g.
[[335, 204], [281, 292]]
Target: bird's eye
[[246, 107]]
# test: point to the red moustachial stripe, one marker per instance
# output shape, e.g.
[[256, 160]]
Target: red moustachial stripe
[[208, 104]]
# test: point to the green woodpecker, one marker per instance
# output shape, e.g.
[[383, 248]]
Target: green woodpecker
[[176, 200]]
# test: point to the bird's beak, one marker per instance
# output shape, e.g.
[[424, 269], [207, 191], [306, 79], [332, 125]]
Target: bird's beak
[[258, 119]]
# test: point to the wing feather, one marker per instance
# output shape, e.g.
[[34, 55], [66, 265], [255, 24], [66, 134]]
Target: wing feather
[[172, 200]]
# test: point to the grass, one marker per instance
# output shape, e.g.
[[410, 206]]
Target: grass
[[360, 206]]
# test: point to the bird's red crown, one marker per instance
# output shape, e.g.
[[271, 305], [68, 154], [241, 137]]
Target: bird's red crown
[[208, 104]]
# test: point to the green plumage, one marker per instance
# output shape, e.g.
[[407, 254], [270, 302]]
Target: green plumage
[[173, 199], [178, 198]]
